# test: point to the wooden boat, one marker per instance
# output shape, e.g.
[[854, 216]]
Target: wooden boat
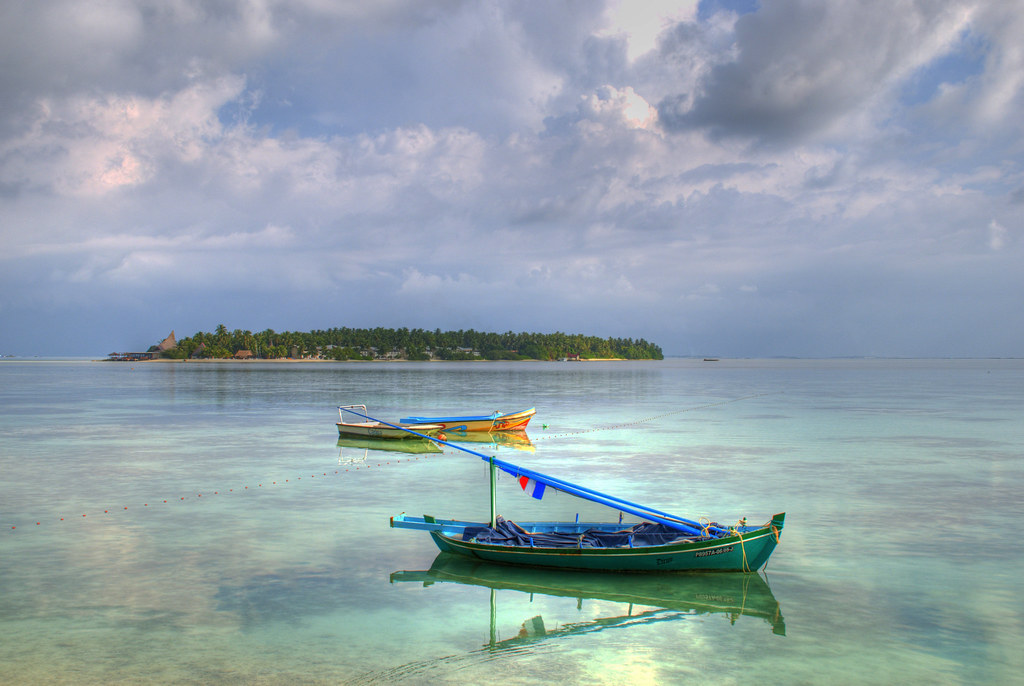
[[372, 428], [645, 547], [734, 595], [497, 421], [663, 542]]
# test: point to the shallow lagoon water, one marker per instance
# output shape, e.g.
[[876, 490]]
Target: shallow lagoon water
[[200, 523]]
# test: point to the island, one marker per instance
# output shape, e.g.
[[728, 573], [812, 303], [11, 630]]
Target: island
[[383, 344]]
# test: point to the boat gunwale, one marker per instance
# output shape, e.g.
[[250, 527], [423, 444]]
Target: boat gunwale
[[637, 551], [437, 529]]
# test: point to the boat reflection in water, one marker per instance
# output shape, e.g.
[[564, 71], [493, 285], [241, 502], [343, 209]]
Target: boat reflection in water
[[353, 449], [647, 598], [517, 440]]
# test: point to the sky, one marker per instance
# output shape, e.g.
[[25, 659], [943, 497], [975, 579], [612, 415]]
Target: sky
[[730, 178]]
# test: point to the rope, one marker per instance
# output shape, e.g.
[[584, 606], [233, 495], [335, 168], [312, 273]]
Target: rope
[[705, 524], [746, 586], [743, 548], [648, 419]]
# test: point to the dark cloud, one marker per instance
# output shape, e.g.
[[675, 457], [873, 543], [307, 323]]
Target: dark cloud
[[802, 66]]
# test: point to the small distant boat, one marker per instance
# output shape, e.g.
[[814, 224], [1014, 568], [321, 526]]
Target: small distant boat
[[497, 421], [372, 428]]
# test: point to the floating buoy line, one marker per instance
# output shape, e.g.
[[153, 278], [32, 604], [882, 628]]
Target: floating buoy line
[[352, 466], [646, 419], [156, 502]]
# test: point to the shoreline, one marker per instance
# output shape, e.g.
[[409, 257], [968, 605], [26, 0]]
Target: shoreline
[[278, 360]]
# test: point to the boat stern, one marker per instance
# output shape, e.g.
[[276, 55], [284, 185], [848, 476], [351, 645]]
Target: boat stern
[[404, 521], [448, 527]]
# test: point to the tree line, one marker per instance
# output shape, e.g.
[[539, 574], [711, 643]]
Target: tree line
[[412, 344]]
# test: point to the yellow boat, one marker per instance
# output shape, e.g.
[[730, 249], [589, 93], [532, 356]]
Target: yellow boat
[[497, 421]]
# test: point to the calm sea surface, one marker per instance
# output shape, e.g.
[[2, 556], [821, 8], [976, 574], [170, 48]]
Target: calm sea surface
[[187, 523]]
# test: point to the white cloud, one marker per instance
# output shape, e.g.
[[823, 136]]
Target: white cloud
[[415, 282], [621, 106], [642, 22], [88, 146], [997, 235]]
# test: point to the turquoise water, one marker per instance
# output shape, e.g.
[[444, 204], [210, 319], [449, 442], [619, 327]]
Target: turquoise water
[[200, 523]]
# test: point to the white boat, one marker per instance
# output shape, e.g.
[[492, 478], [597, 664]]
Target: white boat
[[376, 429]]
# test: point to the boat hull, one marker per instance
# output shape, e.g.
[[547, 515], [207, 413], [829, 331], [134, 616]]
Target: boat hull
[[514, 421], [745, 551], [379, 430]]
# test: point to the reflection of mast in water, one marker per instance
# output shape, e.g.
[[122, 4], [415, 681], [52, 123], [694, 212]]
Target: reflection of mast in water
[[533, 629], [665, 597]]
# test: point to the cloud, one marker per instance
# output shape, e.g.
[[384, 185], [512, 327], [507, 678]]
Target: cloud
[[792, 179], [802, 68], [620, 106], [89, 146], [641, 24], [997, 235]]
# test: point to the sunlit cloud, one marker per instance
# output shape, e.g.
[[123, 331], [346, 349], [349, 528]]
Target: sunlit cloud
[[642, 23]]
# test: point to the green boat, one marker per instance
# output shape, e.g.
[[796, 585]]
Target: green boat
[[662, 542], [644, 547]]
